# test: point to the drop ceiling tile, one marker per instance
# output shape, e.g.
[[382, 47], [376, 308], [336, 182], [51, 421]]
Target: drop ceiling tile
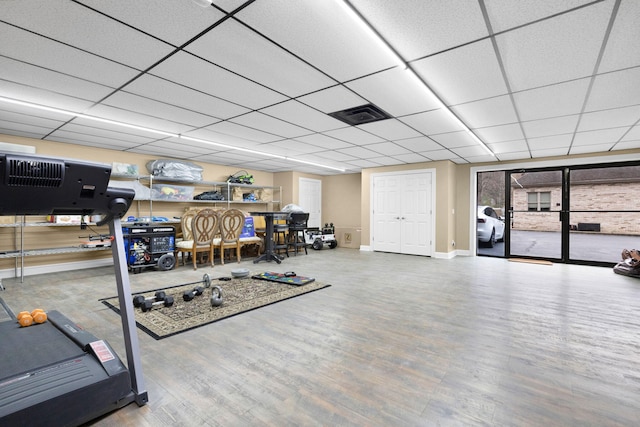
[[321, 33], [90, 140], [359, 152], [36, 77], [353, 135], [100, 35], [509, 147], [365, 164], [411, 158], [109, 130], [513, 156], [226, 128], [324, 141], [98, 130], [421, 143], [627, 145], [621, 50], [153, 87], [390, 129], [229, 5], [161, 152], [269, 124], [334, 156], [150, 107], [390, 161], [33, 49], [489, 112], [159, 18], [336, 98], [613, 90], [547, 127], [468, 73], [237, 48], [184, 148], [187, 70], [28, 113], [588, 149], [126, 116], [484, 158], [610, 118], [555, 50], [472, 151], [301, 115], [388, 148], [494, 134], [550, 101], [42, 97], [440, 155], [550, 142], [459, 161], [599, 136], [432, 122], [20, 116], [633, 134], [289, 150], [417, 28], [25, 130], [396, 91], [455, 139], [550, 152], [507, 14]]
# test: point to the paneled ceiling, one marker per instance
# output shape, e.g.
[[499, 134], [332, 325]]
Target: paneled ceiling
[[251, 83]]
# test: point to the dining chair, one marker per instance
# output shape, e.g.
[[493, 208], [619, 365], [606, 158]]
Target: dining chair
[[184, 239], [231, 223], [204, 228]]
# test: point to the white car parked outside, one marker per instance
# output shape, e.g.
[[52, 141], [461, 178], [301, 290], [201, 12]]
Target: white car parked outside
[[490, 227]]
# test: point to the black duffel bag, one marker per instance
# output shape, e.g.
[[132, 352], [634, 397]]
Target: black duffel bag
[[209, 195]]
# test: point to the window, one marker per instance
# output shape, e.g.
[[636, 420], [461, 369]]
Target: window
[[539, 201]]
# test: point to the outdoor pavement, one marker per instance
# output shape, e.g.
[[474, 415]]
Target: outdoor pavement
[[583, 246]]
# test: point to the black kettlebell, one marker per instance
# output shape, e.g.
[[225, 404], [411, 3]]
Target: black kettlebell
[[216, 296]]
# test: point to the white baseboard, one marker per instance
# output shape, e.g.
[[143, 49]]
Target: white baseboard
[[55, 268], [366, 248], [452, 254]]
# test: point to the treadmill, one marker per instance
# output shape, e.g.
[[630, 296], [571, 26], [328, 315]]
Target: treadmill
[[56, 373]]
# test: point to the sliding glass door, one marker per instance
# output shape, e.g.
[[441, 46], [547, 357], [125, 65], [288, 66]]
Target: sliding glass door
[[579, 214], [535, 214]]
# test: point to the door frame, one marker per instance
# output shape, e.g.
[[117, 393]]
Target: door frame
[[432, 171], [473, 182]]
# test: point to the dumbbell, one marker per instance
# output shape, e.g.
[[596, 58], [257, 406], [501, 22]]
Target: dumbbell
[[189, 295], [167, 301], [36, 316], [138, 300]]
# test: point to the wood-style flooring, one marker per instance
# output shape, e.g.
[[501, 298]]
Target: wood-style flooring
[[396, 340]]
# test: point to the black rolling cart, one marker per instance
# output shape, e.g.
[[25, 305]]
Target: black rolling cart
[[56, 373]]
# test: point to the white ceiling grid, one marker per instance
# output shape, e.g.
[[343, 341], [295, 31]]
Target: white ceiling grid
[[530, 79]]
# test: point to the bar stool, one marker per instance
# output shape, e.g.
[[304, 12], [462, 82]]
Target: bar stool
[[280, 233], [297, 226]]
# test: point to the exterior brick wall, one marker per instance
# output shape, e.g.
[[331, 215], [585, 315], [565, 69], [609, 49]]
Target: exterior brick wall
[[611, 197]]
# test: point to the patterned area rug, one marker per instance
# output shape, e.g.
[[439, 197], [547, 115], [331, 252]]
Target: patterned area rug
[[239, 296]]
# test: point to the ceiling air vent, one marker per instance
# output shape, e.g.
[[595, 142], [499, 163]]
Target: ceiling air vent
[[360, 115]]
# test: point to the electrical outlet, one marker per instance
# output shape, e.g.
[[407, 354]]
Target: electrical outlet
[[347, 237]]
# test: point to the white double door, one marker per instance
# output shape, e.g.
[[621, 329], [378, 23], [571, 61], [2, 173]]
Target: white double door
[[402, 214]]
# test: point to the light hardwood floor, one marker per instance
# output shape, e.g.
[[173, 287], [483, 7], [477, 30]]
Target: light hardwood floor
[[396, 341]]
